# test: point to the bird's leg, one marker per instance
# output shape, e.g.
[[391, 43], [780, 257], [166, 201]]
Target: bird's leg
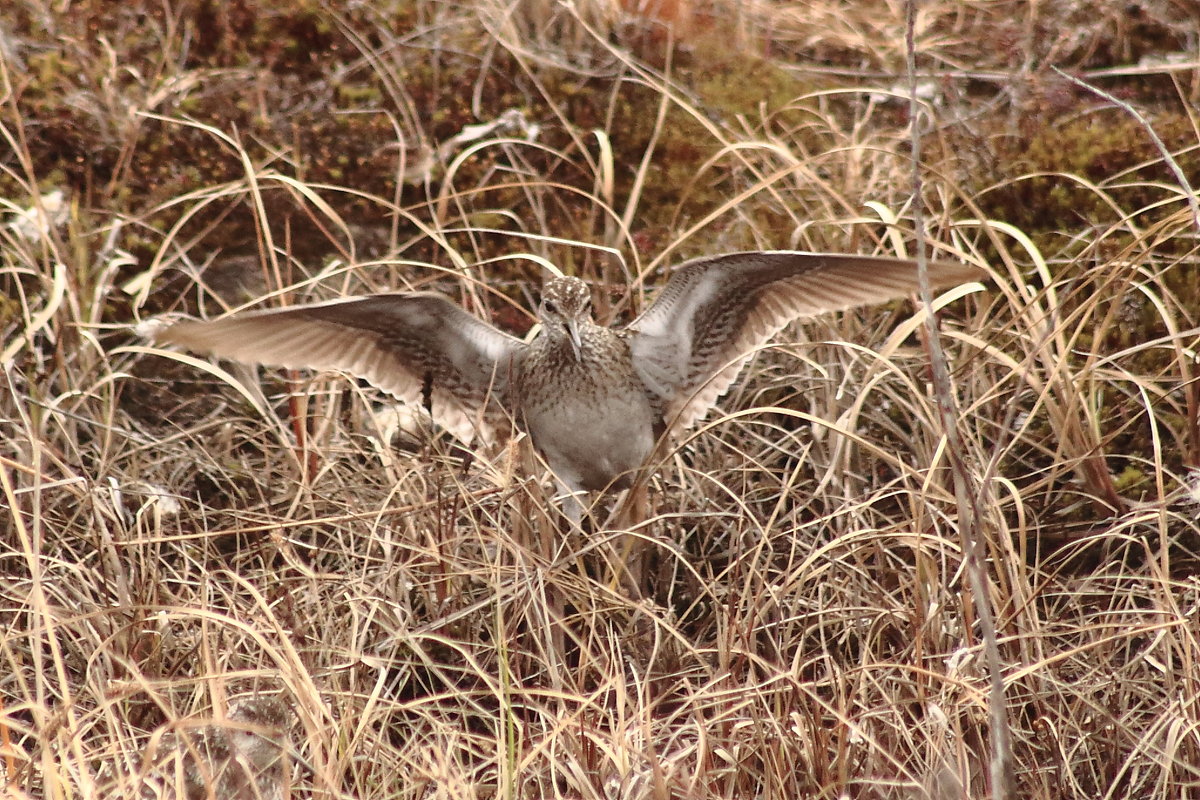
[[575, 510], [573, 504], [629, 512]]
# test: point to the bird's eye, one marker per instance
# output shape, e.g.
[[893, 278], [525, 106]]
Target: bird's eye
[[551, 307]]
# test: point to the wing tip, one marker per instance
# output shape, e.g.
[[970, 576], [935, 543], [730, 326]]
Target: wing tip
[[192, 334], [955, 272], [154, 329]]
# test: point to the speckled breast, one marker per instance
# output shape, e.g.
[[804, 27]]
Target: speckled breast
[[590, 418]]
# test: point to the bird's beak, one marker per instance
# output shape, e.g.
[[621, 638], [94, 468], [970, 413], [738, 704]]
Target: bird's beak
[[573, 334]]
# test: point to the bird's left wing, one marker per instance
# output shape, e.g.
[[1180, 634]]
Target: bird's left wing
[[417, 346], [691, 344]]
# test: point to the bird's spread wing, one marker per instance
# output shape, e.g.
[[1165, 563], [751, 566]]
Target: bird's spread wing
[[419, 347], [691, 344]]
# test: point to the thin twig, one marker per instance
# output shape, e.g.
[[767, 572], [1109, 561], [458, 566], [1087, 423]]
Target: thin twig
[[967, 497]]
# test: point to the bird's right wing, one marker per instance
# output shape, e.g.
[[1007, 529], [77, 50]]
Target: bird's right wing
[[420, 347]]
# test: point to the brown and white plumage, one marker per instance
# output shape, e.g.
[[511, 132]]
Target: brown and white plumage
[[242, 758], [409, 345], [593, 400], [690, 346], [577, 393]]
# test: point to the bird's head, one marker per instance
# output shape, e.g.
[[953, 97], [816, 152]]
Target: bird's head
[[259, 729], [566, 309]]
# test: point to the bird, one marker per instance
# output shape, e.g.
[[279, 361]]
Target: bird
[[243, 758], [593, 400]]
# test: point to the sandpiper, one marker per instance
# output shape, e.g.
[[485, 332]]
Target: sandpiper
[[242, 758], [593, 400]]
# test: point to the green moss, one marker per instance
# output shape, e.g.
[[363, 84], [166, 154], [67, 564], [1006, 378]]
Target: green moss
[[1129, 478], [1107, 148], [352, 95]]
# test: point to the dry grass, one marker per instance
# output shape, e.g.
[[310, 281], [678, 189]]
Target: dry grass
[[167, 544]]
